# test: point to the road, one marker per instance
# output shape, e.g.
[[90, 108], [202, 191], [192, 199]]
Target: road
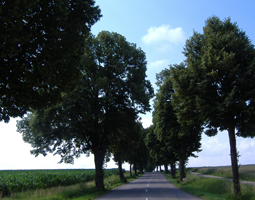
[[150, 186]]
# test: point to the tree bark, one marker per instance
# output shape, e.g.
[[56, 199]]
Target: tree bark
[[130, 170], [135, 169], [166, 168], [141, 168], [122, 178], [99, 160], [173, 168], [181, 170], [234, 161]]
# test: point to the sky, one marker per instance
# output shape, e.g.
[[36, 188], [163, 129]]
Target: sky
[[160, 28]]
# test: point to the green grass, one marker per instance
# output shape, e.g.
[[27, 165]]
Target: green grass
[[246, 172], [81, 191], [214, 189], [22, 180]]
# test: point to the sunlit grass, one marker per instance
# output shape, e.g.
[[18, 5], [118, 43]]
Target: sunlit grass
[[82, 191], [214, 189], [246, 172]]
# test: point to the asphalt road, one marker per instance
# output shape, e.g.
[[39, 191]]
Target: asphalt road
[[150, 186]]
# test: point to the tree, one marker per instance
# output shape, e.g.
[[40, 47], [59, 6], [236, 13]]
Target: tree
[[153, 144], [42, 43], [181, 138], [126, 140], [113, 83], [221, 64], [138, 154]]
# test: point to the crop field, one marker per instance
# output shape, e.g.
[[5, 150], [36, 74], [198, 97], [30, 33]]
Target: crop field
[[22, 180], [246, 172]]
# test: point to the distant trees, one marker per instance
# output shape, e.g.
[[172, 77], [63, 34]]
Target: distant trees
[[90, 117], [213, 89], [220, 80], [41, 45], [178, 139], [127, 139]]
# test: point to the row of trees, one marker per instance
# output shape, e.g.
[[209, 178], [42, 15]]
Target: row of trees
[[170, 139], [101, 114], [84, 93], [212, 90], [81, 93]]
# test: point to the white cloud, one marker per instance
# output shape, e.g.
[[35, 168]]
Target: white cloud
[[164, 36], [158, 64]]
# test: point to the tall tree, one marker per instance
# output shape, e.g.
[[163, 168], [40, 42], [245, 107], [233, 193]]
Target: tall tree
[[154, 146], [182, 138], [87, 119], [221, 64], [41, 44], [126, 139]]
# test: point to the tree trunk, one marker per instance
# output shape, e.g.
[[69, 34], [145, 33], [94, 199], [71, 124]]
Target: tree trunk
[[122, 178], [181, 170], [166, 168], [130, 170], [234, 162], [141, 168], [99, 160], [157, 168], [135, 169], [160, 168], [173, 168]]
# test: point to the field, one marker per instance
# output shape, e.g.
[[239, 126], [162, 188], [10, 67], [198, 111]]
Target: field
[[246, 172], [218, 189], [12, 181]]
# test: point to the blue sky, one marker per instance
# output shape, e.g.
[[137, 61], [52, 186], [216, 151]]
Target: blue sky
[[160, 28]]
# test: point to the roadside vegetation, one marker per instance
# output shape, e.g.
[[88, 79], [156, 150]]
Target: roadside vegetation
[[79, 93], [217, 189], [85, 190], [246, 172]]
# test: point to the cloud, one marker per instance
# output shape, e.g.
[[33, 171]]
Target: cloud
[[159, 64], [164, 36]]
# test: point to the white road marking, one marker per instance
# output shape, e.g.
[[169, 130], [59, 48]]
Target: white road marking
[[147, 185], [146, 190], [146, 198]]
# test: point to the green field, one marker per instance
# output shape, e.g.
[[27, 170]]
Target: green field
[[246, 172], [22, 180], [218, 189]]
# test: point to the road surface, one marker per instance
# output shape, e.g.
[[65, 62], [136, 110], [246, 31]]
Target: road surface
[[150, 186]]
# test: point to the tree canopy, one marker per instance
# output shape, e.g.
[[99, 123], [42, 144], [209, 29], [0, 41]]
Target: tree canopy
[[42, 43], [179, 138], [221, 64], [90, 117]]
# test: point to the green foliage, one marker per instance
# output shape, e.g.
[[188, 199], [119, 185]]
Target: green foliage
[[221, 64], [89, 118], [178, 138], [41, 45], [220, 72], [22, 180]]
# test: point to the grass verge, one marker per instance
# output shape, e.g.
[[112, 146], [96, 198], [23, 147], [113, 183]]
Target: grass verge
[[82, 191], [246, 172], [213, 189]]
